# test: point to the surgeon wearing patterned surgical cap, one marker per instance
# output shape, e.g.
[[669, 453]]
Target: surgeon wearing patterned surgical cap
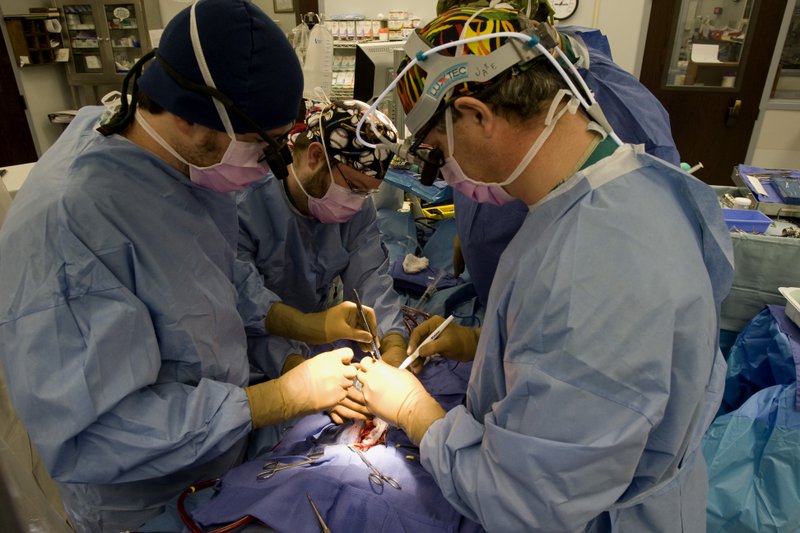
[[317, 230]]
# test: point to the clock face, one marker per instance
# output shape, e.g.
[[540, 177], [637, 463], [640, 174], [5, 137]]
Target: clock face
[[564, 8], [122, 13]]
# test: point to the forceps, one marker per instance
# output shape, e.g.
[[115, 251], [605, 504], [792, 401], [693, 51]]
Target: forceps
[[322, 525], [375, 476], [273, 467], [375, 349]]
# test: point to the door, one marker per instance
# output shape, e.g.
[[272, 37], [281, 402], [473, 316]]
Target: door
[[16, 142], [708, 66]]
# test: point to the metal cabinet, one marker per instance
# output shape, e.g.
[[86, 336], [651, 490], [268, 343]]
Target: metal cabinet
[[105, 39]]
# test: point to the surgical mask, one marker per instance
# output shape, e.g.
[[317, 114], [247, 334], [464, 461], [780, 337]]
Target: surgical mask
[[494, 193], [238, 168], [336, 206]]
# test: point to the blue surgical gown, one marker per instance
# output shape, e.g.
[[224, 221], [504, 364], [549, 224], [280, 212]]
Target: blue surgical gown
[[122, 320], [598, 367], [637, 117], [300, 257]]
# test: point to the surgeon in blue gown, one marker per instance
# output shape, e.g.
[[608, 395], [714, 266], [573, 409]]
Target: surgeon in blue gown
[[123, 306], [636, 115], [598, 368], [319, 226]]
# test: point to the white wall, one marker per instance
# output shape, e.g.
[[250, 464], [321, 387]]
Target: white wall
[[623, 21], [778, 140], [169, 8]]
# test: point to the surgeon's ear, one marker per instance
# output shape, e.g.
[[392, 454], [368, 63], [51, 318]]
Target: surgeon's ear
[[315, 156], [476, 114]]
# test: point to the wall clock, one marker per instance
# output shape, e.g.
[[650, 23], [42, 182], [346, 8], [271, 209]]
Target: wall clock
[[564, 9]]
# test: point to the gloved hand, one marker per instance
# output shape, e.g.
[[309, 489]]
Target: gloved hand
[[341, 321], [352, 407], [456, 342], [292, 361], [314, 385], [458, 257], [393, 349], [398, 397]]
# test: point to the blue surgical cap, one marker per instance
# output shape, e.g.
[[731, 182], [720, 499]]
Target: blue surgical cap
[[250, 60]]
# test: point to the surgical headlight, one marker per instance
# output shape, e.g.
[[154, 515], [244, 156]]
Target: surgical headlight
[[444, 71]]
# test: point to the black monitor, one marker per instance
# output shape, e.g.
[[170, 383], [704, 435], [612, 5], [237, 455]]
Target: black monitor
[[375, 69]]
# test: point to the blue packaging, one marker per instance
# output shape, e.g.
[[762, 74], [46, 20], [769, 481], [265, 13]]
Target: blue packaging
[[747, 220]]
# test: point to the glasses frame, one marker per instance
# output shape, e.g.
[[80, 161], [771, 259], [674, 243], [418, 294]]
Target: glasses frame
[[359, 192]]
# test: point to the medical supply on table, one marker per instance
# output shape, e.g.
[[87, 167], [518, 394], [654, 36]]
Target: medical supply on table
[[432, 337], [322, 525], [413, 264], [412, 316], [792, 295], [788, 189], [747, 220], [375, 476], [274, 466], [431, 288], [376, 352], [763, 186]]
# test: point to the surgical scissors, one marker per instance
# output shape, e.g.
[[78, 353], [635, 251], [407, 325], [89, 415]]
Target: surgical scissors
[[270, 468], [375, 475], [322, 525]]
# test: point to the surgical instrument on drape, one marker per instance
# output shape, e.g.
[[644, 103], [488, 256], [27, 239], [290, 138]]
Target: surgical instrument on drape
[[375, 476], [322, 525]]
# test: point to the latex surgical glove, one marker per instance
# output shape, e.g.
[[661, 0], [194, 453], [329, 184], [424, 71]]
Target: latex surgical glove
[[456, 342], [292, 361], [314, 385], [341, 321], [398, 397], [352, 407], [393, 348], [458, 257]]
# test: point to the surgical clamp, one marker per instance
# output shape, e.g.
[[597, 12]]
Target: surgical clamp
[[375, 476], [270, 468]]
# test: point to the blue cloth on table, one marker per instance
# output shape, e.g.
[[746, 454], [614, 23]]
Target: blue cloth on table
[[752, 464], [766, 353], [416, 283], [339, 484], [751, 452], [772, 195]]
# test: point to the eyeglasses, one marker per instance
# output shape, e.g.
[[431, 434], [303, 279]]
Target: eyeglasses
[[364, 193]]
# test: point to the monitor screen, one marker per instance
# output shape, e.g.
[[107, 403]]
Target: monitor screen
[[375, 69]]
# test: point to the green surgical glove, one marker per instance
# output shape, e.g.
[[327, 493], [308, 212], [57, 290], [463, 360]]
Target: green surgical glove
[[398, 397], [393, 348], [338, 322], [456, 342], [312, 386]]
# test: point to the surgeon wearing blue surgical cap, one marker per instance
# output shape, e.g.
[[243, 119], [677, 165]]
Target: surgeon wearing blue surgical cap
[[123, 307], [598, 367]]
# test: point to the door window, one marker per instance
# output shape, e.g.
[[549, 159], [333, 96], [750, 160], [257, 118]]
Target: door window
[[708, 44]]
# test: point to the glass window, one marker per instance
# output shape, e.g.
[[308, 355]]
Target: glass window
[[787, 80], [709, 42]]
